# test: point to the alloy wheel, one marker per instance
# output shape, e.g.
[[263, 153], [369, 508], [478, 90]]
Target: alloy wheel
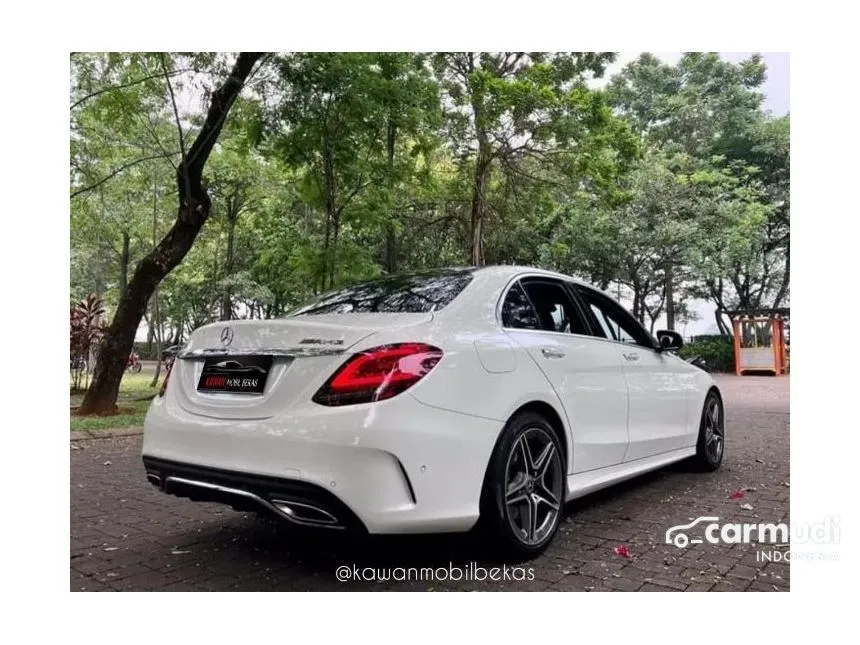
[[714, 430], [533, 486]]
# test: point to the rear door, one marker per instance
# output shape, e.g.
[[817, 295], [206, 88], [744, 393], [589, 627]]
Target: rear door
[[660, 388], [539, 314]]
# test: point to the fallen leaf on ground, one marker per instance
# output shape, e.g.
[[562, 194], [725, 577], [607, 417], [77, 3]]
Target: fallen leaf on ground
[[111, 548], [738, 494], [178, 552], [750, 489], [747, 507], [107, 463], [621, 550]]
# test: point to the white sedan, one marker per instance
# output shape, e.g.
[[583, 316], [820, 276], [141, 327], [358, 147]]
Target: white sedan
[[433, 402]]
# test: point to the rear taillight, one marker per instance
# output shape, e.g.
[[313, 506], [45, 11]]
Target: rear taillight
[[378, 373]]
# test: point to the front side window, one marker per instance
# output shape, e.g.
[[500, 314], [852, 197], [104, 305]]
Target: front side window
[[414, 293], [554, 308], [612, 321]]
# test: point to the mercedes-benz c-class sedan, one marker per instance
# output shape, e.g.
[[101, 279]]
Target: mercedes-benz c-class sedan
[[434, 402]]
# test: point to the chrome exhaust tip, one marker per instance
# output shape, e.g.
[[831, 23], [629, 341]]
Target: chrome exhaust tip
[[154, 479], [302, 513], [296, 512]]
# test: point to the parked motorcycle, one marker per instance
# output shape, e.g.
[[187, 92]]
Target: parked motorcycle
[[133, 364]]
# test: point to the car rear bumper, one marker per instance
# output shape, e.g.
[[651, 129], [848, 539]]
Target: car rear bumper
[[298, 502], [397, 466]]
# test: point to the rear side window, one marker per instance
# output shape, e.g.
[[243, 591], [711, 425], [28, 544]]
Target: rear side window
[[415, 293], [517, 311], [554, 307]]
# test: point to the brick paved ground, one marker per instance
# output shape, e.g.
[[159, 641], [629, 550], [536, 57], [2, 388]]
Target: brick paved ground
[[125, 535]]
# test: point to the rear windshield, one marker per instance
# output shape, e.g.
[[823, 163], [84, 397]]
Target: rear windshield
[[414, 293]]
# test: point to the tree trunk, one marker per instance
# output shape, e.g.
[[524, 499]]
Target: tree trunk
[[331, 214], [639, 301], [150, 334], [482, 174], [123, 263], [482, 171], [156, 305], [721, 324], [226, 300], [786, 275], [670, 296], [193, 211], [390, 229], [158, 337]]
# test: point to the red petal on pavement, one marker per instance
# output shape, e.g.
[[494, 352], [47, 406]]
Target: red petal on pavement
[[622, 551], [738, 494]]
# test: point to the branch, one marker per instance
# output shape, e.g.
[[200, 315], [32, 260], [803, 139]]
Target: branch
[[221, 102], [114, 173], [178, 126], [122, 86]]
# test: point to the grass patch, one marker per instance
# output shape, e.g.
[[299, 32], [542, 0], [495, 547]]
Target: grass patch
[[131, 414], [132, 410]]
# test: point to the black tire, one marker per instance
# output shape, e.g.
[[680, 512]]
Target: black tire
[[711, 444], [535, 492]]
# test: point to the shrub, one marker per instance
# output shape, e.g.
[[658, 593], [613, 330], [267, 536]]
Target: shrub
[[85, 330], [717, 351]]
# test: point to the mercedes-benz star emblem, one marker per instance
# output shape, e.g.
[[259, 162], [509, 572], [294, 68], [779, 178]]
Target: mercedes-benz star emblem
[[226, 336]]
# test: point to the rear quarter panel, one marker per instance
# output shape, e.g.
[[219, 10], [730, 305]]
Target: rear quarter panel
[[481, 374]]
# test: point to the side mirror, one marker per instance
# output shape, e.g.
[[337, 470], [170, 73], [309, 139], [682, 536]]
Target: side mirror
[[670, 341]]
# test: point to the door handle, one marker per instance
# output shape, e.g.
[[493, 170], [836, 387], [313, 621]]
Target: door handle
[[552, 352], [631, 356]]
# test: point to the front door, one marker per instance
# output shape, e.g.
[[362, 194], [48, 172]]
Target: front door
[[659, 385]]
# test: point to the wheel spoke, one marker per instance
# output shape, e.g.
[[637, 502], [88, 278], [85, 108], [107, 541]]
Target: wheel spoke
[[515, 488], [533, 518], [526, 455], [544, 460], [551, 496], [548, 500], [714, 414]]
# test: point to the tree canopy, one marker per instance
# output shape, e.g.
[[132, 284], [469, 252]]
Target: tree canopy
[[216, 186]]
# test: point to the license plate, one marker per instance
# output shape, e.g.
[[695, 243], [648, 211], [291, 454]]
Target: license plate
[[239, 374]]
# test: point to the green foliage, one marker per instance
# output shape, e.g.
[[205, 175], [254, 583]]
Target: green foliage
[[717, 351], [86, 327], [336, 167]]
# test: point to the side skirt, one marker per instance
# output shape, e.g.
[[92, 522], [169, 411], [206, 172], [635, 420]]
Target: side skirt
[[584, 483]]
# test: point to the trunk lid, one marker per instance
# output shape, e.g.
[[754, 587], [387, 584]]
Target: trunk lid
[[305, 351]]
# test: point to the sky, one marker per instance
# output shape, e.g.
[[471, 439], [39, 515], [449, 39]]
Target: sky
[[776, 101]]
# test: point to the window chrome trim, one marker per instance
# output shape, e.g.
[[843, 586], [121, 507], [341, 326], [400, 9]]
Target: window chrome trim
[[532, 274]]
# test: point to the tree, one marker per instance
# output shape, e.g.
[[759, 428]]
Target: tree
[[511, 108], [703, 108], [340, 119], [193, 211]]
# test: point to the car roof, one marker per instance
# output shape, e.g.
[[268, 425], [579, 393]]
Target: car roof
[[507, 272]]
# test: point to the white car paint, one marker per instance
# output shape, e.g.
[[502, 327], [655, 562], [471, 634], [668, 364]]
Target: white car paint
[[416, 462]]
